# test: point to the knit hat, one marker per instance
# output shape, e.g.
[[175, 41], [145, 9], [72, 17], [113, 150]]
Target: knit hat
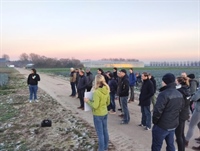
[[168, 78], [191, 76], [123, 70]]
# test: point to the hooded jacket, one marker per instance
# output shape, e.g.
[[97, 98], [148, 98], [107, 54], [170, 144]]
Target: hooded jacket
[[168, 106], [100, 101], [185, 91]]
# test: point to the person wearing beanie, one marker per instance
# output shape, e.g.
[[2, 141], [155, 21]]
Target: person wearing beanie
[[166, 114], [147, 91]]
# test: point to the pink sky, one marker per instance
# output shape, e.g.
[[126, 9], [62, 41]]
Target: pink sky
[[147, 31]]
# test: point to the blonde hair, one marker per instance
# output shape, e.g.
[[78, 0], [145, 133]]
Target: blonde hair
[[183, 80], [100, 81]]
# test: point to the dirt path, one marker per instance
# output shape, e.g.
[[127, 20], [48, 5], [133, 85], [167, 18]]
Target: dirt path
[[129, 137]]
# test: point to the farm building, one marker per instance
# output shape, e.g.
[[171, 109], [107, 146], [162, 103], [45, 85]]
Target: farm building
[[3, 62], [111, 63]]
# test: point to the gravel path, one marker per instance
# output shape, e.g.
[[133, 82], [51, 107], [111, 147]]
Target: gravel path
[[129, 137]]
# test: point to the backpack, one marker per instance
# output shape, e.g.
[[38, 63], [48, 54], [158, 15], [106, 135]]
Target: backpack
[[46, 123]]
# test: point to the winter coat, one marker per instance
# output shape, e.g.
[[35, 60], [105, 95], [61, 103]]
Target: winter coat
[[154, 83], [33, 79], [132, 79], [90, 79], [193, 86], [82, 83], [73, 76], [147, 91], [113, 86], [100, 101], [167, 108], [185, 91], [124, 87]]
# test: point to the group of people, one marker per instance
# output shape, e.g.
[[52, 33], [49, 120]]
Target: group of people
[[170, 107], [178, 98]]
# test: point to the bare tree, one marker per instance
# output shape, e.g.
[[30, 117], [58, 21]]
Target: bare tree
[[23, 57], [6, 56]]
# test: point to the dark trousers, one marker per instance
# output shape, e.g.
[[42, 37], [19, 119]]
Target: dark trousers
[[73, 87], [132, 95], [180, 137], [89, 88], [81, 96]]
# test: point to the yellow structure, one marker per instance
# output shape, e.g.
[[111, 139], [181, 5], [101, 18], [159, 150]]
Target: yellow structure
[[108, 64]]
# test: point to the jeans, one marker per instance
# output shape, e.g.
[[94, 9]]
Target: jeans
[[81, 96], [180, 137], [124, 102], [158, 135], [195, 119], [112, 101], [73, 88], [146, 116], [100, 123], [132, 93], [33, 91]]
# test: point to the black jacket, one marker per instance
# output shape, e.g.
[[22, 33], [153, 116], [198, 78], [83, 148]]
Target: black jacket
[[90, 79], [113, 86], [147, 91], [82, 82], [154, 83], [168, 107], [185, 91], [33, 79], [124, 87]]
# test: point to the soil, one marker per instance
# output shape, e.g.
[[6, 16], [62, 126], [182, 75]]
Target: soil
[[20, 122], [55, 104]]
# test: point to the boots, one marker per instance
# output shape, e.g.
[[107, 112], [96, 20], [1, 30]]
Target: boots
[[196, 148]]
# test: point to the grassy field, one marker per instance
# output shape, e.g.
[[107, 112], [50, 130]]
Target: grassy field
[[156, 72], [20, 121]]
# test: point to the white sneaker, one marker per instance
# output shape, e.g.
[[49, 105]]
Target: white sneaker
[[37, 101], [30, 101], [147, 129]]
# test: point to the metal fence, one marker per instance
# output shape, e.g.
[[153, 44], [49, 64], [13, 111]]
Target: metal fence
[[3, 79]]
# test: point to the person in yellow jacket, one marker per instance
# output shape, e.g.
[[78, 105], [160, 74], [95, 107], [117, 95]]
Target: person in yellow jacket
[[99, 103]]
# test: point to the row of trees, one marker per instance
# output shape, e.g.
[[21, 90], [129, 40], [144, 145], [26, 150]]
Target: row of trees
[[45, 62]]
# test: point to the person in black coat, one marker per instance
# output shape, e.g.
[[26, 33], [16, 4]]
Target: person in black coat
[[166, 114], [183, 87], [147, 91], [82, 84], [153, 98], [32, 81], [113, 90], [123, 91]]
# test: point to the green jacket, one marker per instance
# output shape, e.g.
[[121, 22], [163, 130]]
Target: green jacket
[[100, 101]]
